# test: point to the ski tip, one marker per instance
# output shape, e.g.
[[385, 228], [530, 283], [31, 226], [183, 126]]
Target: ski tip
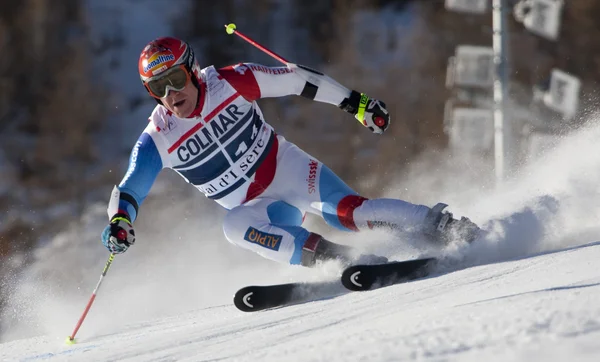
[[70, 341], [243, 299], [356, 278]]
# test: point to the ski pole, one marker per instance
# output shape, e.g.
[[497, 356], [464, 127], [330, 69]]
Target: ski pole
[[231, 29], [71, 338]]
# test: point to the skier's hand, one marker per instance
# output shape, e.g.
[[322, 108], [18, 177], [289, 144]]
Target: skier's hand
[[371, 112], [376, 117], [118, 236]]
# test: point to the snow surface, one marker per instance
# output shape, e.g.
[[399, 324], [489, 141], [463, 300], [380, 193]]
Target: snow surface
[[526, 292], [540, 308]]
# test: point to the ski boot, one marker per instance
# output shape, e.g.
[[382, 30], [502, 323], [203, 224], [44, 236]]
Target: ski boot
[[442, 227], [316, 248]]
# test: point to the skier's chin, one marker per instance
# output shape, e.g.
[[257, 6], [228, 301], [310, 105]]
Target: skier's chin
[[182, 108]]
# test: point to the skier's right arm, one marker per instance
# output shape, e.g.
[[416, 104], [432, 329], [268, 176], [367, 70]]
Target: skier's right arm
[[144, 165]]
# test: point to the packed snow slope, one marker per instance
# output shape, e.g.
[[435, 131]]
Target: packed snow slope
[[527, 291], [541, 308]]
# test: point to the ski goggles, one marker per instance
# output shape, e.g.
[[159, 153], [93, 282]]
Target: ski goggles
[[175, 79]]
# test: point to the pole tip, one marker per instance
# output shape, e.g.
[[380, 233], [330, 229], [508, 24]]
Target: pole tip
[[70, 341], [230, 29]]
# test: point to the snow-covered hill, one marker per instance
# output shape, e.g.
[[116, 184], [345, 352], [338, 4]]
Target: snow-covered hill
[[527, 292], [541, 308]]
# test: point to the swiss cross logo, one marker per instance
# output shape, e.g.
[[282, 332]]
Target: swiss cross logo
[[240, 68]]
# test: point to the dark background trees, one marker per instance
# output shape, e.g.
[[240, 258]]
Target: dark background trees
[[55, 112]]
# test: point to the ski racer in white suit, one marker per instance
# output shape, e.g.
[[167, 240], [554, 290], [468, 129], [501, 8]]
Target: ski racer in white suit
[[208, 127]]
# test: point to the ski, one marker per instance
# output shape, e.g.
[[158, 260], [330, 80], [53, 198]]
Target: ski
[[260, 297], [354, 278], [366, 277]]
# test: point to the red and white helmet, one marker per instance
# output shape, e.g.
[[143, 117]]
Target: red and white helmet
[[163, 54]]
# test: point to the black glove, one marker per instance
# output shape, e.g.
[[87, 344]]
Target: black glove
[[371, 112], [118, 236]]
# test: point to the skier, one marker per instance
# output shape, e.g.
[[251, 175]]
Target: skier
[[208, 127]]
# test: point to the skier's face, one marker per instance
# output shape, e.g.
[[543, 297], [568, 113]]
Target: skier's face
[[182, 103]]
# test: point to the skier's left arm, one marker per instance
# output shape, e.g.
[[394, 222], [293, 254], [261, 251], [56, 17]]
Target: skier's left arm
[[256, 81]]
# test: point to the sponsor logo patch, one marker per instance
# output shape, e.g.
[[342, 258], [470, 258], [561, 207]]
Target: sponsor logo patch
[[380, 224], [132, 162], [169, 124], [270, 70], [269, 241], [219, 125], [159, 70], [158, 60], [312, 176]]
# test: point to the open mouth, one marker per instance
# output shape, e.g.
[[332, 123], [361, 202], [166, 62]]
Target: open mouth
[[179, 103]]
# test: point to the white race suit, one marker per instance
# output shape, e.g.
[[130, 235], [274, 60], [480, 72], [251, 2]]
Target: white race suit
[[267, 184]]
